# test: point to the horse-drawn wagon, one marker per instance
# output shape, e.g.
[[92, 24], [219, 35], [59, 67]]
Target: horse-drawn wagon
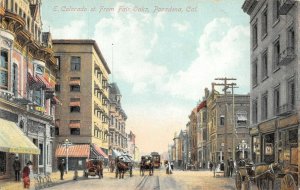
[[94, 167], [124, 163]]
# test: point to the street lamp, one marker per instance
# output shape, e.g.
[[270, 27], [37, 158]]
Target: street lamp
[[67, 143], [221, 156], [243, 146]]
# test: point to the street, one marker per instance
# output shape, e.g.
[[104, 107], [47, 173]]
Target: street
[[179, 180]]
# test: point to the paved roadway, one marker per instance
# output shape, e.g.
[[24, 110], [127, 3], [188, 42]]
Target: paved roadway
[[179, 180]]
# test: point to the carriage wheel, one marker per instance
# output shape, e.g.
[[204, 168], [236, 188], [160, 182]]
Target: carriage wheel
[[288, 183], [238, 181]]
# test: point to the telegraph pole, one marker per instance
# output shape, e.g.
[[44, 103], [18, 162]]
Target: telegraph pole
[[226, 85]]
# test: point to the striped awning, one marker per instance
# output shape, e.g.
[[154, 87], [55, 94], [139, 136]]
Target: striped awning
[[12, 139], [74, 82], [77, 103], [74, 125], [44, 81], [74, 151], [100, 151], [31, 79]]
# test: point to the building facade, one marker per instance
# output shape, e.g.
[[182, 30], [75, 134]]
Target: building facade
[[118, 117], [274, 80], [82, 87], [27, 80]]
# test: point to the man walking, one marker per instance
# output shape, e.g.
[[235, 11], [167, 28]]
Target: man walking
[[61, 168], [231, 166], [17, 168]]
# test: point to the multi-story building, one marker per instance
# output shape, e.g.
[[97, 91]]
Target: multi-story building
[[202, 132], [131, 144], [192, 136], [237, 124], [117, 126], [274, 80], [82, 87], [27, 80]]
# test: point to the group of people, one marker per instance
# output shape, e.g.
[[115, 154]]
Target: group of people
[[25, 172], [230, 166]]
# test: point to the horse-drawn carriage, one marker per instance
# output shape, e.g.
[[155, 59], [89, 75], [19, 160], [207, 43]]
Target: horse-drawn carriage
[[94, 167], [266, 177], [146, 164], [123, 163]]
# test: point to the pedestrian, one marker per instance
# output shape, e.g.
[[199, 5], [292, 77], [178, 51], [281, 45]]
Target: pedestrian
[[61, 168], [211, 165], [231, 166], [203, 165], [172, 166], [17, 168], [25, 175]]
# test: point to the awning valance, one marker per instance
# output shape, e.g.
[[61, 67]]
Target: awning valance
[[44, 81], [74, 125], [12, 139], [74, 82], [100, 151], [77, 103], [74, 151]]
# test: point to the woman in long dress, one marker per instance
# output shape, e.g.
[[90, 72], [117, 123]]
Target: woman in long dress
[[25, 175]]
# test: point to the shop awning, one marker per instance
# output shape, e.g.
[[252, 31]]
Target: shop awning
[[74, 82], [74, 125], [12, 139], [115, 153], [44, 81], [100, 151], [74, 151], [75, 104]]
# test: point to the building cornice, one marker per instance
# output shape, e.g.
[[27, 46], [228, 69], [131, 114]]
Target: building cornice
[[249, 6]]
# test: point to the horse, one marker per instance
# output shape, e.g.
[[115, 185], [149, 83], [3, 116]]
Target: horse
[[122, 167], [147, 165], [266, 173]]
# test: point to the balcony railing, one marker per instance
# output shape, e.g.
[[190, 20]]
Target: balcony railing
[[287, 56], [285, 6], [284, 109]]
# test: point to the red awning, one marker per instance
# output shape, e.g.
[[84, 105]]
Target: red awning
[[31, 79], [73, 104], [74, 82], [56, 100], [100, 151], [44, 81], [201, 105], [74, 151], [74, 125]]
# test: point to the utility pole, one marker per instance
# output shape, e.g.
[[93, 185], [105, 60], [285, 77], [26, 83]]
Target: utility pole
[[233, 123], [226, 85]]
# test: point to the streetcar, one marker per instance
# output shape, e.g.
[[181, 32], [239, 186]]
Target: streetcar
[[156, 159]]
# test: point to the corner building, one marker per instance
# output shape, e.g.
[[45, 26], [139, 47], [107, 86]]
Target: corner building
[[82, 87], [274, 86]]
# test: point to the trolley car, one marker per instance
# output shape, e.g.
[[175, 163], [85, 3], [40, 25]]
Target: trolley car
[[156, 159]]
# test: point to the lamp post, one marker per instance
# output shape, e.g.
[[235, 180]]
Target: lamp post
[[67, 143], [243, 146], [221, 155]]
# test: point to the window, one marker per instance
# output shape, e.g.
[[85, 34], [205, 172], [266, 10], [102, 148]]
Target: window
[[74, 109], [74, 88], [3, 162], [265, 65], [254, 35], [41, 157], [75, 63], [37, 96], [276, 57], [58, 62], [15, 80], [264, 22], [57, 87], [276, 100], [222, 120], [241, 118], [291, 38], [75, 131], [264, 106], [254, 111], [276, 6], [4, 70], [56, 131], [39, 69], [291, 93], [254, 73]]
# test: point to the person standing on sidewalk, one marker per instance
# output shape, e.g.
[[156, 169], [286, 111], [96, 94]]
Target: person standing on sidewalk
[[61, 168], [25, 175], [231, 166], [17, 168]]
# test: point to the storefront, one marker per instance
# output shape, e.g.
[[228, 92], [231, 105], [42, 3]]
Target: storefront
[[13, 142]]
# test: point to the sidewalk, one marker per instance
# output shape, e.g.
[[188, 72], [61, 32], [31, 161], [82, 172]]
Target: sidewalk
[[12, 185]]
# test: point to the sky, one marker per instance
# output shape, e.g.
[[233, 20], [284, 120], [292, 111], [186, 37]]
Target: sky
[[164, 53]]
